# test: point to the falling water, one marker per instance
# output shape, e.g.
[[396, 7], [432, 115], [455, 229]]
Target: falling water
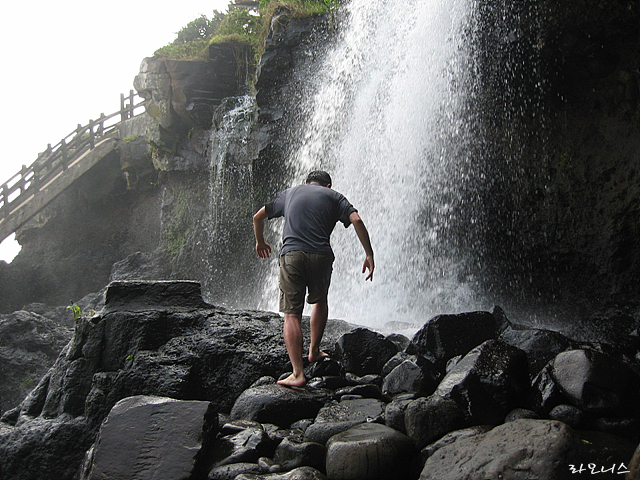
[[384, 119]]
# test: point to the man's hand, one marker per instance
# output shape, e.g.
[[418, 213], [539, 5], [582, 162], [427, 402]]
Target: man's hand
[[368, 264], [263, 250]]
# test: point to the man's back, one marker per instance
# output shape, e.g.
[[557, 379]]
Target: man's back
[[311, 212]]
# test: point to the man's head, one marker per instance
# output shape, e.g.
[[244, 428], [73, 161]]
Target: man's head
[[320, 177]]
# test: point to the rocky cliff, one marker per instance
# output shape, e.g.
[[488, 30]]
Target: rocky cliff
[[159, 384]]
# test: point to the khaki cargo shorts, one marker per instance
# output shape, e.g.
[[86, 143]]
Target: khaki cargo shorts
[[301, 270]]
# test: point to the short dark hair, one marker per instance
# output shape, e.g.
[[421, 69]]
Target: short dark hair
[[323, 178]]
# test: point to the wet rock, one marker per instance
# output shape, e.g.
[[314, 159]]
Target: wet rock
[[245, 446], [572, 416], [29, 345], [490, 380], [358, 410], [164, 438], [290, 455], [278, 405], [364, 391], [370, 451], [321, 432], [544, 393], [446, 336], [302, 473], [326, 368], [363, 351], [427, 419], [409, 377], [533, 448], [450, 438], [541, 346], [519, 413], [395, 410], [230, 472], [597, 383]]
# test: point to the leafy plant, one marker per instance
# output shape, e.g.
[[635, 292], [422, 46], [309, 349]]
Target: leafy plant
[[76, 310]]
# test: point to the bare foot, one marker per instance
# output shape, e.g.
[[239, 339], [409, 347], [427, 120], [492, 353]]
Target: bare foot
[[293, 381], [317, 356]]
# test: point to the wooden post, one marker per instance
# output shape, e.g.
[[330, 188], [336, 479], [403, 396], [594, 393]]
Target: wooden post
[[63, 147], [92, 142], [122, 110]]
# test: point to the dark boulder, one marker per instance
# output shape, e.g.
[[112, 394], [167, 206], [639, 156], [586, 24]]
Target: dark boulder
[[490, 381], [446, 336], [29, 345], [411, 377], [428, 419], [369, 452], [164, 439], [244, 446], [278, 405], [290, 455], [301, 473], [540, 449], [597, 383], [363, 351], [541, 346]]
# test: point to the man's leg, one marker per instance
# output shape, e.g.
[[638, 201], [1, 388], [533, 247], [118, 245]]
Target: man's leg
[[319, 315], [293, 341]]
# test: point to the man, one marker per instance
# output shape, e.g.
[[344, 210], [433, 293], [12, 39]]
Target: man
[[310, 212]]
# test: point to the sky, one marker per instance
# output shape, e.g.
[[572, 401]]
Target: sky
[[65, 62]]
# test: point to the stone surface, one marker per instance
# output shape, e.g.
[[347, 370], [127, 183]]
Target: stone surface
[[164, 438], [370, 451], [363, 351], [301, 473], [524, 449], [29, 345], [597, 383], [446, 336], [290, 455], [427, 419], [490, 381], [278, 405]]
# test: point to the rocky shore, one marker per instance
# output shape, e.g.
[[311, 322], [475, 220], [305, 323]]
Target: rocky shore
[[158, 384]]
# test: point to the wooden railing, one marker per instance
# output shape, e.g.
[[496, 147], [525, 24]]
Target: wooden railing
[[54, 161]]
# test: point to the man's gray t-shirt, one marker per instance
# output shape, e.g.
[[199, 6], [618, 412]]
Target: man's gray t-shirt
[[310, 213]]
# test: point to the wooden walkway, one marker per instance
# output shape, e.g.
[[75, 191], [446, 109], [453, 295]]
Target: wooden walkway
[[33, 187]]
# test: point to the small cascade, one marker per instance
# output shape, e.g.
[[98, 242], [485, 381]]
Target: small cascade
[[231, 198]]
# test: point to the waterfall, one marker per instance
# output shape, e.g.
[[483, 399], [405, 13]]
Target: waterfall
[[384, 116]]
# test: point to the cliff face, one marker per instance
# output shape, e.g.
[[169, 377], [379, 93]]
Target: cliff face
[[552, 131]]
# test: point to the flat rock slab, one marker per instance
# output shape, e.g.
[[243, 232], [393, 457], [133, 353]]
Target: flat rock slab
[[147, 437]]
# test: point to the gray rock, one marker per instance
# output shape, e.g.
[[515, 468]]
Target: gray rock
[[355, 410], [29, 345], [290, 455], [363, 351], [446, 336], [245, 446], [230, 472], [524, 449], [278, 405], [302, 473], [541, 346], [490, 380], [164, 438], [322, 432], [427, 419], [370, 451], [409, 377], [544, 393], [395, 410], [597, 383], [572, 416]]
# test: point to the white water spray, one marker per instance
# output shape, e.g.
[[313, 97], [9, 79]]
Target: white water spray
[[389, 95]]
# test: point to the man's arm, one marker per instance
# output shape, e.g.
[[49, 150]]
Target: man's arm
[[263, 249], [363, 236]]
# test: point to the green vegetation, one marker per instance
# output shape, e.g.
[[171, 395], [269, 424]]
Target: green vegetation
[[242, 25], [75, 309]]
